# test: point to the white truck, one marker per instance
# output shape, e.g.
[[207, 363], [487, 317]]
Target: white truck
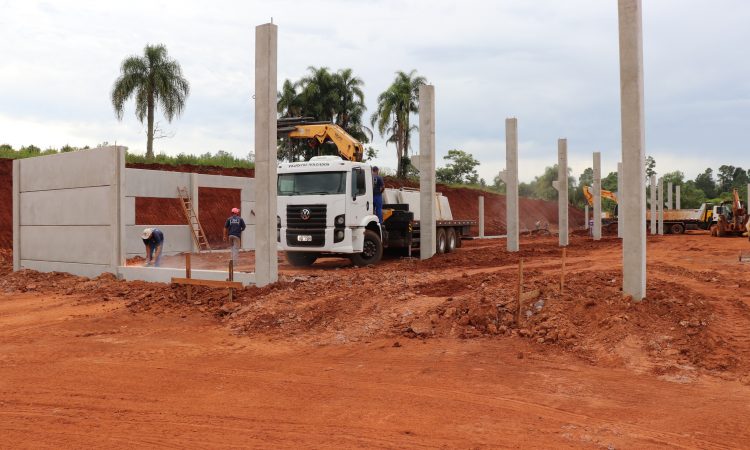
[[325, 206]]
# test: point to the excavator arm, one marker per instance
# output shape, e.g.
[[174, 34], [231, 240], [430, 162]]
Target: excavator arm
[[348, 147], [605, 194]]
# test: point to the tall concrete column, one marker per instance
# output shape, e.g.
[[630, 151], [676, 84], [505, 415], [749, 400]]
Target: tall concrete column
[[597, 188], [660, 206], [510, 178], [427, 224], [670, 189], [633, 204], [677, 204], [16, 214], [481, 216], [266, 253], [620, 217], [586, 217], [653, 205], [561, 184]]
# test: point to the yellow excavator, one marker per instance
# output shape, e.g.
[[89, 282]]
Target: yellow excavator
[[609, 220], [731, 218], [319, 133]]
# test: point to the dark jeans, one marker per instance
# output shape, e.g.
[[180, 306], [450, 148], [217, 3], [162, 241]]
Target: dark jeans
[[377, 203]]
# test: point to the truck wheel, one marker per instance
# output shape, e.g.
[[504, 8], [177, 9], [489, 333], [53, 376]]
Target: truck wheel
[[372, 250], [301, 259], [451, 241], [676, 228], [441, 241]]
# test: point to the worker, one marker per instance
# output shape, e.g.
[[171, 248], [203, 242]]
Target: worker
[[153, 239], [233, 228], [378, 186]]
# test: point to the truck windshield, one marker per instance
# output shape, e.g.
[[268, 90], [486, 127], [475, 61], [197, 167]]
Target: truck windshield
[[314, 183]]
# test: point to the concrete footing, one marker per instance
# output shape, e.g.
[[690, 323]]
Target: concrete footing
[[427, 224]]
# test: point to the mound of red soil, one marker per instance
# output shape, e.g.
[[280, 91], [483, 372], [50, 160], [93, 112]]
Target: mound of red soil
[[465, 206], [6, 203]]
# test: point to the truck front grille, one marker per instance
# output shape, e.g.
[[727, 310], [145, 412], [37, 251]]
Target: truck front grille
[[315, 217]]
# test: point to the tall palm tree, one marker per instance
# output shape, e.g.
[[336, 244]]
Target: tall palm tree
[[154, 79], [392, 117]]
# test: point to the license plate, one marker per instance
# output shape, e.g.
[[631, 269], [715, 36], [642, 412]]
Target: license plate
[[304, 238]]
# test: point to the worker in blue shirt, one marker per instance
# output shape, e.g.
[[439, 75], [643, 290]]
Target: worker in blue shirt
[[378, 186], [233, 228], [153, 239]]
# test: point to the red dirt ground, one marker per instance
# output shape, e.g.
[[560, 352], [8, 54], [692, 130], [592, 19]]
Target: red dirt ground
[[408, 353]]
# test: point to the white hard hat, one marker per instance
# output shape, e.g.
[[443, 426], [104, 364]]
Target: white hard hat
[[146, 233]]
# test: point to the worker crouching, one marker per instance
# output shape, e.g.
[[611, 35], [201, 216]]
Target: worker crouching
[[153, 239]]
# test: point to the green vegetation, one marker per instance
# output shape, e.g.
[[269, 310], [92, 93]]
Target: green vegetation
[[218, 159], [154, 79], [392, 117], [462, 169]]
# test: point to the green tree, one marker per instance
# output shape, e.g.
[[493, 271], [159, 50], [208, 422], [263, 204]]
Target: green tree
[[691, 196], [705, 182], [462, 169], [650, 168], [392, 116], [726, 177], [155, 80]]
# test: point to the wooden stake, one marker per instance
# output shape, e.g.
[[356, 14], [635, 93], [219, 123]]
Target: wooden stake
[[231, 278], [187, 275], [520, 291], [562, 272]]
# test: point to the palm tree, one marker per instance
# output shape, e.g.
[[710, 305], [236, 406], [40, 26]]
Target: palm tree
[[395, 106], [154, 79]]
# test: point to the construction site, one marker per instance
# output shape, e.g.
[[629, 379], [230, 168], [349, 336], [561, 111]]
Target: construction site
[[453, 318]]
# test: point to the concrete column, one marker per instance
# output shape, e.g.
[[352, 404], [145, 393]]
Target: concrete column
[[670, 189], [266, 254], [510, 177], [481, 216], [660, 206], [586, 217], [119, 213], [620, 218], [633, 204], [677, 197], [16, 214], [653, 205], [427, 228], [561, 184], [597, 188], [194, 199]]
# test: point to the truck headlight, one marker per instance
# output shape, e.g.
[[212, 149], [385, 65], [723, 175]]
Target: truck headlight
[[338, 236], [339, 221]]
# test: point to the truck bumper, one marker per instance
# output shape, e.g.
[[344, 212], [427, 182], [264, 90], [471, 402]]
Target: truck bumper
[[322, 240]]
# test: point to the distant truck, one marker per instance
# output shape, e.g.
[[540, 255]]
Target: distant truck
[[677, 221]]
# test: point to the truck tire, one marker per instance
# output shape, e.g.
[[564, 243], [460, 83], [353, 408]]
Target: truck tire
[[441, 241], [372, 250], [452, 241], [676, 228], [301, 259]]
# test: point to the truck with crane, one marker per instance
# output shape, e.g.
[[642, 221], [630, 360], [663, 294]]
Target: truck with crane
[[325, 204]]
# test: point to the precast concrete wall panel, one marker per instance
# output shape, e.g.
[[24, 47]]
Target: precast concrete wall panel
[[83, 270], [83, 168], [154, 183], [177, 239], [68, 244], [79, 206]]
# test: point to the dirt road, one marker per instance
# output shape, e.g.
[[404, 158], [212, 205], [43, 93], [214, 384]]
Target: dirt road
[[412, 361]]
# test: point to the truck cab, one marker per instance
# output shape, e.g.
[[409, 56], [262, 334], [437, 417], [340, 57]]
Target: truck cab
[[325, 207]]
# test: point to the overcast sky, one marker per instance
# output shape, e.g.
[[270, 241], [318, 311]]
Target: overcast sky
[[553, 64]]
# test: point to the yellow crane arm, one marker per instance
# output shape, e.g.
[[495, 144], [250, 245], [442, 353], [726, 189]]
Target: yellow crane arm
[[348, 147], [605, 194]]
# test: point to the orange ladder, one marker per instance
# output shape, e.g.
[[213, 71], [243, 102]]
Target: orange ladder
[[199, 237]]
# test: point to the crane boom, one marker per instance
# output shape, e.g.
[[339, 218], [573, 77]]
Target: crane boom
[[348, 147]]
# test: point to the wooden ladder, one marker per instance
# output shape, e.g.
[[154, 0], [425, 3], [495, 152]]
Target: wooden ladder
[[199, 237]]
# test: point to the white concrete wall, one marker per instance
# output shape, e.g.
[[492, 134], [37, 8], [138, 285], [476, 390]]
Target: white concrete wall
[[66, 210], [164, 184]]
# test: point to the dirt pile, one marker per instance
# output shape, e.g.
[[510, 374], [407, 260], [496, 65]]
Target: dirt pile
[[6, 203]]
